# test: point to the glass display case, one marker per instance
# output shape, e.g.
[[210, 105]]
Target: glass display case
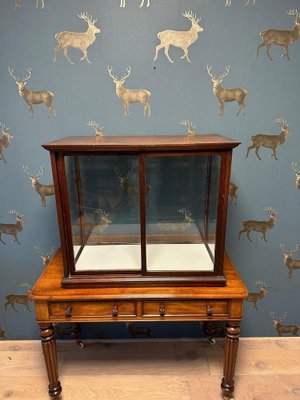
[[147, 209]]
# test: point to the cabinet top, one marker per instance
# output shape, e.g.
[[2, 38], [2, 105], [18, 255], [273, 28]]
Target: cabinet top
[[48, 287], [141, 143]]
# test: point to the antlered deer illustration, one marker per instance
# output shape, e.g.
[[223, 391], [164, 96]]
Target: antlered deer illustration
[[36, 97], [130, 189], [129, 96], [4, 140], [270, 141], [13, 229], [12, 299], [123, 3], [182, 226], [103, 220], [297, 173], [98, 129], [279, 37], [284, 328], [288, 260], [46, 257], [190, 127], [123, 178], [38, 4], [227, 95], [233, 187], [77, 40], [228, 2], [260, 226], [41, 189], [182, 39], [254, 297]]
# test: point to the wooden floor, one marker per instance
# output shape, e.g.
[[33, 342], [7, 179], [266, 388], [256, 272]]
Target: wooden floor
[[267, 369]]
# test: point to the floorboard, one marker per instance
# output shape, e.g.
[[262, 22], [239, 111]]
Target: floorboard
[[267, 369]]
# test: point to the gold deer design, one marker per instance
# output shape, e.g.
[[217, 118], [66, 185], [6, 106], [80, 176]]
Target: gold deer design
[[284, 328], [12, 299], [190, 127], [260, 226], [283, 38], [98, 129], [227, 95], [181, 39], [233, 187], [77, 40], [13, 229], [129, 96], [297, 173], [270, 141], [254, 297], [46, 257], [228, 3], [131, 190], [4, 140], [36, 97], [288, 260], [103, 220], [181, 226], [38, 4], [41, 189], [123, 3]]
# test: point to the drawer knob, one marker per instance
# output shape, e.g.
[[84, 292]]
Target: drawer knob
[[209, 311], [68, 312], [162, 311], [115, 311]]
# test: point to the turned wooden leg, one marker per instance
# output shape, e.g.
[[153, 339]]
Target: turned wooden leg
[[232, 331], [49, 350]]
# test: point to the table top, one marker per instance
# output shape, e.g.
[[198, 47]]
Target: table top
[[48, 288]]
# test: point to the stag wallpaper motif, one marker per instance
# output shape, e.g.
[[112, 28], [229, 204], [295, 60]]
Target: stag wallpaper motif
[[65, 57]]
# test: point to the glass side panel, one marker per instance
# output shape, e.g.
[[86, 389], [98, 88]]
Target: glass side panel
[[105, 215], [182, 212], [212, 206]]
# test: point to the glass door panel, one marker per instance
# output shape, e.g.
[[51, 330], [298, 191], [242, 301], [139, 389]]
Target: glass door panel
[[181, 214], [105, 213]]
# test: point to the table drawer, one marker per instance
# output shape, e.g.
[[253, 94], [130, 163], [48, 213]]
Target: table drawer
[[88, 309], [185, 308]]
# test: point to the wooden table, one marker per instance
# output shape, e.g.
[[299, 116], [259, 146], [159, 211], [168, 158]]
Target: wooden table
[[54, 304]]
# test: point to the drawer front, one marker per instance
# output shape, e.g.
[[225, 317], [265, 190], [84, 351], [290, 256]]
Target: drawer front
[[86, 309], [185, 309]]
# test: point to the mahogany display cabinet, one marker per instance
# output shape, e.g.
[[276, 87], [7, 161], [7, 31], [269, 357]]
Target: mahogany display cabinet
[[142, 210]]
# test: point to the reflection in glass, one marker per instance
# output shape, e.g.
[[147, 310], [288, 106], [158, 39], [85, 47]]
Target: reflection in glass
[[105, 217], [181, 218], [181, 199]]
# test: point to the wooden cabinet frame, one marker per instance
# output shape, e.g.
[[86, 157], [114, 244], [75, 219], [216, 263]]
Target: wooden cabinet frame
[[141, 147]]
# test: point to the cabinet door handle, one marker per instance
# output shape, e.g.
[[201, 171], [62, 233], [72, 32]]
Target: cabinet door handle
[[209, 311], [68, 311], [162, 311], [115, 311]]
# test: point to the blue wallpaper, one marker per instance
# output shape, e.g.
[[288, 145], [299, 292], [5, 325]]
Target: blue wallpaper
[[181, 90]]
